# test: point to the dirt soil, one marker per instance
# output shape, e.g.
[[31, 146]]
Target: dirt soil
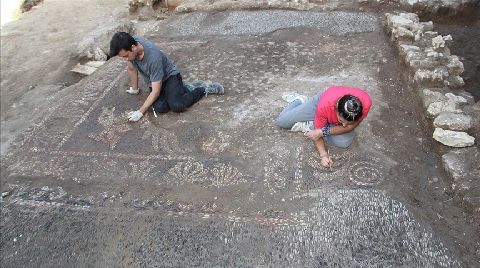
[[36, 56]]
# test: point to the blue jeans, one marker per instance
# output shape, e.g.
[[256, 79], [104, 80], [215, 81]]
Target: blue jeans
[[175, 96], [301, 112]]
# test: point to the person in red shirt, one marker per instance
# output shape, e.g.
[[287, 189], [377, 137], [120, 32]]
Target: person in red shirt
[[335, 114]]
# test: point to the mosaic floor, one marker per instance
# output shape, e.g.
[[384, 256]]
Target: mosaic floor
[[225, 161]]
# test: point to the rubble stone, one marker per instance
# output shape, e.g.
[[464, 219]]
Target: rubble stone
[[83, 69], [456, 98], [431, 77], [430, 96], [95, 64], [454, 65], [453, 121], [438, 107], [438, 42], [459, 162], [404, 49], [450, 103], [464, 167], [95, 46], [427, 26], [454, 81], [453, 138]]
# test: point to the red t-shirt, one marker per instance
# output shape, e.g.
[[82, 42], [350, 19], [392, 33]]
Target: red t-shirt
[[326, 113]]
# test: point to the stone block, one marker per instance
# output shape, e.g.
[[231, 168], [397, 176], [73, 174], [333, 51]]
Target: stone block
[[83, 69], [403, 34], [96, 44], [476, 106], [453, 138], [454, 65], [435, 108], [447, 103], [395, 21], [410, 16], [425, 63], [95, 64], [405, 49], [467, 96], [430, 96], [456, 98], [454, 81], [134, 5], [432, 54], [438, 42], [430, 34], [453, 121], [463, 165], [431, 77], [427, 26]]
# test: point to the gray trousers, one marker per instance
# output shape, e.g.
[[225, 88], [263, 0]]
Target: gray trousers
[[301, 112]]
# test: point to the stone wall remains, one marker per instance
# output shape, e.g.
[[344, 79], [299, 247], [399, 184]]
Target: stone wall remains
[[436, 74], [428, 6]]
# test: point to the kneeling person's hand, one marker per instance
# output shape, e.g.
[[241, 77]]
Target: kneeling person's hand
[[134, 116], [314, 134], [326, 161]]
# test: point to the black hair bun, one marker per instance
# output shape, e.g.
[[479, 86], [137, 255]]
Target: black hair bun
[[353, 105], [350, 107]]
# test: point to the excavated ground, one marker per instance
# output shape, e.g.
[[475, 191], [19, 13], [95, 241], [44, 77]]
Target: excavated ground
[[221, 184]]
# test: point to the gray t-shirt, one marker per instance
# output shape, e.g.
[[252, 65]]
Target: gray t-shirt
[[154, 66]]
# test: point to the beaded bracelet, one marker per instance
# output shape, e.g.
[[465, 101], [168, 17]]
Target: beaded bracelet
[[326, 131]]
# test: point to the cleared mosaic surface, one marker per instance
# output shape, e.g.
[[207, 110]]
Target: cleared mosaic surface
[[222, 177]]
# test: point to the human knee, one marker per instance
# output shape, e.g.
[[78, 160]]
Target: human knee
[[161, 108], [345, 143], [281, 122], [177, 107]]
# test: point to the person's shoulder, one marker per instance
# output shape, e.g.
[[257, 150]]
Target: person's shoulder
[[138, 38]]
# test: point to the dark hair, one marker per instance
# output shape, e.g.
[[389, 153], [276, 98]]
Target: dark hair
[[121, 40], [350, 108]]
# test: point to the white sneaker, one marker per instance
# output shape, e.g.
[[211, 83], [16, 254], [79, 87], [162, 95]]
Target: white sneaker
[[302, 126], [292, 96], [132, 91]]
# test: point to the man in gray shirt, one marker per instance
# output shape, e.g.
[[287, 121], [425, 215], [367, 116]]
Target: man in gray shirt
[[160, 73]]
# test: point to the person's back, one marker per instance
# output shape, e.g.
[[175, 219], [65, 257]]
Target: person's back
[[155, 65]]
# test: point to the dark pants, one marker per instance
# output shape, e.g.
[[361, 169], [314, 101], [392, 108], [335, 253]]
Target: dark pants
[[174, 96]]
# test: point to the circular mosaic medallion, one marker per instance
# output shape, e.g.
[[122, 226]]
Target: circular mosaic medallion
[[365, 173]]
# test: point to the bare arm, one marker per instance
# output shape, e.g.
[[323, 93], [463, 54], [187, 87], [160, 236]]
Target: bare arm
[[317, 137], [321, 148], [156, 87], [132, 75], [337, 130]]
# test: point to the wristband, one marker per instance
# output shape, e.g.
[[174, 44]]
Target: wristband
[[325, 131]]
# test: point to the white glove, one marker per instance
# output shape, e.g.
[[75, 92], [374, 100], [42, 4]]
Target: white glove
[[133, 91], [134, 116]]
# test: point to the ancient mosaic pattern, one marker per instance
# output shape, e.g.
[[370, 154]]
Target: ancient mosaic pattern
[[139, 171], [190, 171], [161, 139], [366, 170], [216, 145], [113, 127], [225, 175], [219, 175], [352, 221]]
